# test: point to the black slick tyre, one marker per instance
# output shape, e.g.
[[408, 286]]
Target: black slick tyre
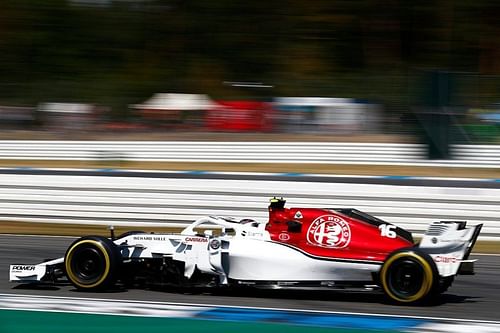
[[92, 263], [408, 276]]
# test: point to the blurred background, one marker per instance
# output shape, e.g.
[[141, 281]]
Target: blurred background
[[421, 71]]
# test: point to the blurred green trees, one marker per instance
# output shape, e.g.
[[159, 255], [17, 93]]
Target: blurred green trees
[[121, 52]]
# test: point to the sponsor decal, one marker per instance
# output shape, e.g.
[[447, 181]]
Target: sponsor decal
[[23, 268], [196, 239], [445, 259], [149, 238], [284, 237], [298, 215], [329, 231], [215, 244]]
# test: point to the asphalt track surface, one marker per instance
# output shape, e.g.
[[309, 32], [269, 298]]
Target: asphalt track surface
[[474, 297]]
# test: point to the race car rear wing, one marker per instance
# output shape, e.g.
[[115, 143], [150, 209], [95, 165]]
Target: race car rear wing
[[450, 243]]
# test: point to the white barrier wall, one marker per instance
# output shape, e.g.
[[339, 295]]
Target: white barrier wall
[[247, 152], [194, 151], [136, 201]]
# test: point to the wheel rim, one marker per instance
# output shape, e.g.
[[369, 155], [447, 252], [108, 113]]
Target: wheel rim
[[88, 265], [406, 278]]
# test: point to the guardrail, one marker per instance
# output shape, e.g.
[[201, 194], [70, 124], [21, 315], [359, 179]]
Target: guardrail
[[488, 154], [246, 152], [170, 201], [194, 151]]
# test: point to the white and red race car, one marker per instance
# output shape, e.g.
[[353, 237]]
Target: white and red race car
[[297, 248]]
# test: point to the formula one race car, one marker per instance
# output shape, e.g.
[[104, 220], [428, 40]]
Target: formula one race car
[[297, 248]]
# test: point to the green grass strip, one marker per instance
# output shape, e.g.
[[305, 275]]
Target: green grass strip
[[15, 321]]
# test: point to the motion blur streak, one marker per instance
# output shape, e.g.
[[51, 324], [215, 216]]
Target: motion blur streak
[[50, 306], [175, 200], [67, 67]]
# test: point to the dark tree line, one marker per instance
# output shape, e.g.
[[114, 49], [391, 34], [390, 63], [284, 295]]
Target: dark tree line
[[120, 52]]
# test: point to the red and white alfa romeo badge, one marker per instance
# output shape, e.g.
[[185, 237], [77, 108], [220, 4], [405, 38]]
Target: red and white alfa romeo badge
[[329, 231]]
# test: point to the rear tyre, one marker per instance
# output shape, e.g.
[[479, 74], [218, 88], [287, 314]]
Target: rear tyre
[[408, 276], [92, 262]]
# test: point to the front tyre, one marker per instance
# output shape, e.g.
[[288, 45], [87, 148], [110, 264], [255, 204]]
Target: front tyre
[[92, 262], [408, 276]]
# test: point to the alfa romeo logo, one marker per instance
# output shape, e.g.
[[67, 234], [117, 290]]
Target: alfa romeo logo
[[329, 231]]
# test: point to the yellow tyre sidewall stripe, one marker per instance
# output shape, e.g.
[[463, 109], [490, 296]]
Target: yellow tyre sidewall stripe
[[71, 274], [426, 285]]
